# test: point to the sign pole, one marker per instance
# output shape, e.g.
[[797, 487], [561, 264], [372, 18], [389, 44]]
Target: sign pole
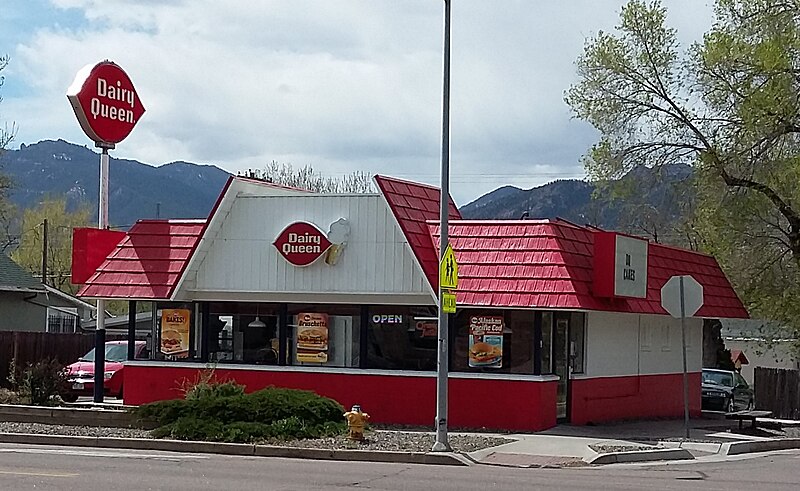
[[682, 296], [107, 107], [441, 444], [683, 349], [100, 331]]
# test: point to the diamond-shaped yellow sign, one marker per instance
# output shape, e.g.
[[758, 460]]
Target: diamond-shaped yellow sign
[[448, 270]]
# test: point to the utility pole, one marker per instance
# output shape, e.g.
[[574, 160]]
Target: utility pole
[[44, 251]]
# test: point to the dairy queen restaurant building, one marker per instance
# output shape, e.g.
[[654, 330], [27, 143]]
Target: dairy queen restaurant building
[[336, 293]]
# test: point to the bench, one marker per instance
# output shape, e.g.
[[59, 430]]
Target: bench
[[748, 415]]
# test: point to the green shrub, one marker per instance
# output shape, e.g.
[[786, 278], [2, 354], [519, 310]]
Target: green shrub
[[207, 384], [161, 412], [188, 428], [225, 413], [213, 390], [42, 383], [8, 396]]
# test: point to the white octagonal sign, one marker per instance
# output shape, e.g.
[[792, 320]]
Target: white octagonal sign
[[692, 296]]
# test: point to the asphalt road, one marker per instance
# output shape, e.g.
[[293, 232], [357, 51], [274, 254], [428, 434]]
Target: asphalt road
[[25, 467]]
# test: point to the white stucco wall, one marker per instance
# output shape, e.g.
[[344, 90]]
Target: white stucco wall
[[631, 344]]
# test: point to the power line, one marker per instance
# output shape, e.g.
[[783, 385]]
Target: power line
[[509, 175]]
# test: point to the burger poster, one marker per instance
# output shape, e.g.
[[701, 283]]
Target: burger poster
[[312, 338], [486, 341], [175, 324]]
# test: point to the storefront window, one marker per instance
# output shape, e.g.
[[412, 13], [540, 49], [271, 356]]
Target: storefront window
[[499, 341], [244, 333], [174, 331], [324, 335], [402, 338]]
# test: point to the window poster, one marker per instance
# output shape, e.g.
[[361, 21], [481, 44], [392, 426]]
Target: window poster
[[175, 325], [427, 327], [485, 341], [312, 338]]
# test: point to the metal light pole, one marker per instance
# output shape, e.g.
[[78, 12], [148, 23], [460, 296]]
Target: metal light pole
[[441, 444], [100, 331]]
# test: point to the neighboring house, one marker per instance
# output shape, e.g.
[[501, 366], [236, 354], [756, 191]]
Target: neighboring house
[[748, 337], [66, 313], [28, 305], [118, 326]]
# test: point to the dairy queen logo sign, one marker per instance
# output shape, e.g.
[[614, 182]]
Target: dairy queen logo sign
[[105, 102], [302, 243]]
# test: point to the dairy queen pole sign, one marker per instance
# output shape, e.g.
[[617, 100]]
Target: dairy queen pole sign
[[105, 102], [107, 107]]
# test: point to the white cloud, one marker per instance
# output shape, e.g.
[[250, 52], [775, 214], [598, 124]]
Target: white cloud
[[341, 85]]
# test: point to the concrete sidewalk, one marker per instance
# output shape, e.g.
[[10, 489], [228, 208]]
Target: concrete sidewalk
[[538, 450], [636, 441]]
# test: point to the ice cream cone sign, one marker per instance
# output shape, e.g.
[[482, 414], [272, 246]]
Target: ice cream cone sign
[[338, 235]]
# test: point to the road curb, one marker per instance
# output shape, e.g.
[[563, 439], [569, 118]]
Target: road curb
[[639, 456], [443, 458], [696, 446], [738, 448]]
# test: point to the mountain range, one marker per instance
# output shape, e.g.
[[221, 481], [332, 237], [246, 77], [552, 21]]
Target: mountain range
[[187, 190], [136, 190], [653, 194]]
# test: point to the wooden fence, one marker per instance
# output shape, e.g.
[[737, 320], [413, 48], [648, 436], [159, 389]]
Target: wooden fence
[[29, 347], [778, 390]]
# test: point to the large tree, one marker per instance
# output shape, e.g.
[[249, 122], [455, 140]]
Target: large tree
[[6, 133], [7, 210], [730, 107], [60, 223]]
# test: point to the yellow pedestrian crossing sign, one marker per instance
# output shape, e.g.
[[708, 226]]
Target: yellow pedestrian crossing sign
[[448, 270]]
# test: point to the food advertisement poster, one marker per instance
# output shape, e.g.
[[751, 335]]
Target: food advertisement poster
[[427, 328], [312, 338], [175, 325], [486, 341]]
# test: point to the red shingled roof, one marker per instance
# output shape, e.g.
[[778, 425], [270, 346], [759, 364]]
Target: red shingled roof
[[548, 264], [541, 264], [738, 355], [148, 263], [413, 204]]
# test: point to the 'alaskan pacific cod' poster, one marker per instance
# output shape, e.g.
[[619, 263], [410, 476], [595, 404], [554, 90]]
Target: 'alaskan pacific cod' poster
[[485, 341]]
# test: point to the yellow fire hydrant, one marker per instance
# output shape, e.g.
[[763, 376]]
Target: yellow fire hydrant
[[355, 423]]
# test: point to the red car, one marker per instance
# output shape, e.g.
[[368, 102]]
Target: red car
[[81, 373]]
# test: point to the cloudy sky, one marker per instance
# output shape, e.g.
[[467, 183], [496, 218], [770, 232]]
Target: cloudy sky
[[342, 85]]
